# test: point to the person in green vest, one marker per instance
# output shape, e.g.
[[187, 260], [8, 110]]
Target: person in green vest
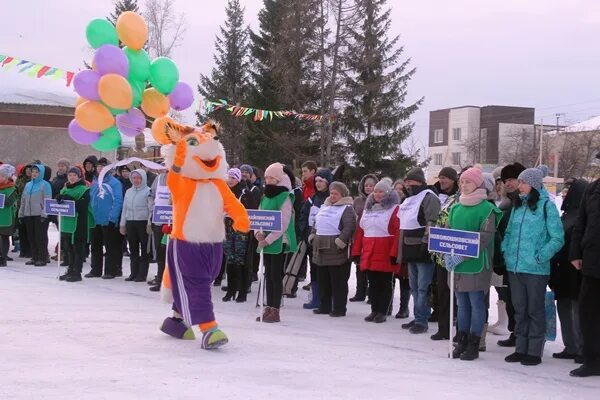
[[278, 196], [75, 230], [473, 276], [8, 210]]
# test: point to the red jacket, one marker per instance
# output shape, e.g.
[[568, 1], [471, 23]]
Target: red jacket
[[308, 190], [376, 252]]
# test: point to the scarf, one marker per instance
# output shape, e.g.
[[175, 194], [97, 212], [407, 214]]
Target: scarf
[[9, 183], [274, 190], [474, 198]]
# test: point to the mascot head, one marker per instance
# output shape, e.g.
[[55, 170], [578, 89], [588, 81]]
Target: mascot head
[[196, 152]]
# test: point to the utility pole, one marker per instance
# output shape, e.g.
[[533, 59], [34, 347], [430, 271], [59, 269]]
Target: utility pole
[[556, 153], [541, 140]]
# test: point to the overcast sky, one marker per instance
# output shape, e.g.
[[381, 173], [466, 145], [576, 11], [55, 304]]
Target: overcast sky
[[536, 53]]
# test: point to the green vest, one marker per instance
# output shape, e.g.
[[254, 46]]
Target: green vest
[[69, 224], [7, 214], [471, 218], [275, 204]]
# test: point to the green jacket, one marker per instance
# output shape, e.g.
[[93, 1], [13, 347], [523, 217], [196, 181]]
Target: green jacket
[[9, 212], [275, 204], [76, 226]]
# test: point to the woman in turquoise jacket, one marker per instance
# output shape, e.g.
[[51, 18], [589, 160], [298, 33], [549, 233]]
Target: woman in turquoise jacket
[[533, 236]]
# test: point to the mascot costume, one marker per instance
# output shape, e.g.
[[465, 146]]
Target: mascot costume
[[201, 198]]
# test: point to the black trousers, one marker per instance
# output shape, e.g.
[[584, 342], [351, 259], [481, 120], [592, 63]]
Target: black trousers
[[110, 238], [160, 250], [237, 280], [37, 235], [505, 296], [274, 278], [137, 237], [333, 287], [362, 283], [24, 239], [404, 293], [380, 290], [589, 304], [74, 251], [4, 246]]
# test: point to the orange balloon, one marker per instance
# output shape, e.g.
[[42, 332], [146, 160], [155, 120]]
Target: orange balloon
[[80, 100], [154, 103], [93, 116], [132, 30], [115, 91]]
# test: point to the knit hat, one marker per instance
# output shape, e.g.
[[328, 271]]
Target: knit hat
[[490, 185], [235, 173], [7, 170], [276, 171], [63, 161], [103, 161], [534, 177], [324, 173], [449, 173], [75, 170], [474, 175], [511, 171], [246, 168], [416, 174], [385, 185], [545, 170], [340, 187]]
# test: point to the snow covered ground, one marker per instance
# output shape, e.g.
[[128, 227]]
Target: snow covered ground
[[99, 339]]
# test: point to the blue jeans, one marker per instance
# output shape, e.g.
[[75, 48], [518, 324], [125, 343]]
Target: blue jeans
[[472, 312], [420, 276]]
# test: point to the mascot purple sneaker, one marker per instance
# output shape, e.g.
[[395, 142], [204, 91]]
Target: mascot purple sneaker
[[201, 197]]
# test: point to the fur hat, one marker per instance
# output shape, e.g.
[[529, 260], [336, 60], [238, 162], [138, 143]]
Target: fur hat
[[64, 161], [235, 173], [534, 177], [7, 170], [276, 171], [385, 185], [449, 173], [340, 187], [474, 175], [511, 171], [416, 174], [75, 170]]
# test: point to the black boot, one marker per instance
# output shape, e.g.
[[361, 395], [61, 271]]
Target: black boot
[[472, 351], [510, 342], [242, 284], [66, 274], [74, 277], [232, 277], [461, 345]]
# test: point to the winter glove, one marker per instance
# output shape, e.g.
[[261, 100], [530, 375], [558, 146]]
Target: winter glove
[[149, 229], [393, 260], [43, 219], [262, 244], [167, 229], [356, 259], [340, 243], [123, 231], [451, 261], [59, 199]]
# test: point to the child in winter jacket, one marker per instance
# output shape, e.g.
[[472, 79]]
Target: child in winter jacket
[[75, 230], [136, 224], [376, 246], [33, 214], [8, 210], [332, 231], [533, 236]]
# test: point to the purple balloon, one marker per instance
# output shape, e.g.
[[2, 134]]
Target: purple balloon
[[110, 59], [86, 84], [181, 97], [131, 123], [80, 135]]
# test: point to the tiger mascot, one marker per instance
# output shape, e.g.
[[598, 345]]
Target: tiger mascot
[[197, 172]]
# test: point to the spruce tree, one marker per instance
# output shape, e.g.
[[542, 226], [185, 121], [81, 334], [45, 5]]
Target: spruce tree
[[375, 118], [285, 54], [229, 79], [120, 7]]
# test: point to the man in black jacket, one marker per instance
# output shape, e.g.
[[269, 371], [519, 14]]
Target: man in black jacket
[[585, 256]]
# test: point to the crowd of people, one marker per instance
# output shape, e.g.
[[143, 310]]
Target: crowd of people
[[526, 245]]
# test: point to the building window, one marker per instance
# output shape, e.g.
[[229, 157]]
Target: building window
[[456, 133], [437, 159], [456, 158], [438, 136]]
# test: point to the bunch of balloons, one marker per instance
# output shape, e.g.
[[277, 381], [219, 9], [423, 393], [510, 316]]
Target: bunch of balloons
[[120, 81]]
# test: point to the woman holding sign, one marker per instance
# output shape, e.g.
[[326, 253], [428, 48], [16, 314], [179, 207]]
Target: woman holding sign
[[75, 230], [473, 276], [8, 207], [278, 197]]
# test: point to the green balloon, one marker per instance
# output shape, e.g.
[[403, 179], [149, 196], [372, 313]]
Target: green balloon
[[137, 89], [109, 140], [100, 32], [139, 64], [164, 75]]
